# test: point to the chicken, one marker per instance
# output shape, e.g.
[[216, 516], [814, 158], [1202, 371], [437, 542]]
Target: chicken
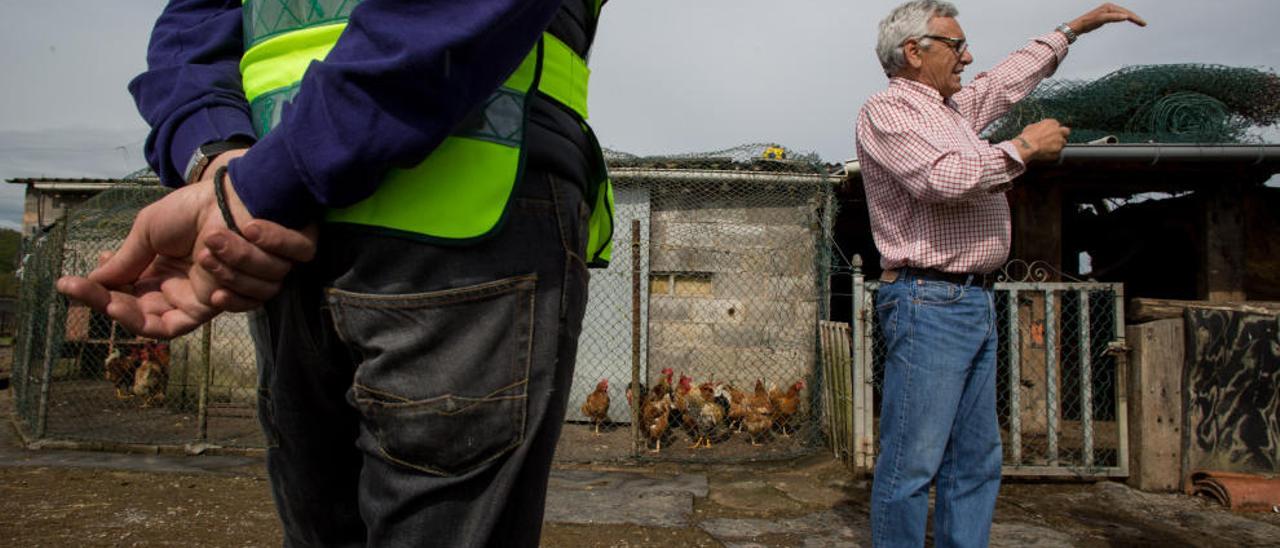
[[152, 377], [785, 405], [655, 417], [118, 370], [737, 406], [680, 401], [759, 418], [705, 413], [664, 381], [596, 407]]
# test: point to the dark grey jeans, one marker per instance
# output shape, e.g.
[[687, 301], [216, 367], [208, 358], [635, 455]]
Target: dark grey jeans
[[412, 394]]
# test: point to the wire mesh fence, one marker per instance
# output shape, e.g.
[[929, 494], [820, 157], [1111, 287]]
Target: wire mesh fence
[[712, 302], [80, 376], [1059, 378], [719, 276]]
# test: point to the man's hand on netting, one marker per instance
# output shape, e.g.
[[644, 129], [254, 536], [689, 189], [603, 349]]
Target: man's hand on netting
[[1102, 15], [1042, 140], [153, 285]]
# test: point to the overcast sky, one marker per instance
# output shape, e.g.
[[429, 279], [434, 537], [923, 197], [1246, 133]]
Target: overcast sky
[[669, 75]]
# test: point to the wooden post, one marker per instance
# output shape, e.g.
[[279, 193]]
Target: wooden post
[[1155, 405], [1037, 224], [1222, 279]]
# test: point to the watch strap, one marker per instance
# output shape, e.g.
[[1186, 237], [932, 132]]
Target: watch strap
[[1066, 30], [204, 154]]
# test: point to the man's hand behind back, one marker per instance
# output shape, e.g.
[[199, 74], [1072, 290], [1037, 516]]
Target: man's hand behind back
[[180, 266]]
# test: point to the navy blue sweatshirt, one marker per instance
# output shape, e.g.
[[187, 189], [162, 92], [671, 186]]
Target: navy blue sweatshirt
[[401, 77]]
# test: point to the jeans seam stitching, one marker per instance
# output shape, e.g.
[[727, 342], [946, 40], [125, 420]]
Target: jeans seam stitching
[[432, 299]]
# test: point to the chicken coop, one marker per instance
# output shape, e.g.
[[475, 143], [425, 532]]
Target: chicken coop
[[713, 302], [80, 378]]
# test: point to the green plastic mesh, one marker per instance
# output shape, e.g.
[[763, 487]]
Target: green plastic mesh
[[1184, 103]]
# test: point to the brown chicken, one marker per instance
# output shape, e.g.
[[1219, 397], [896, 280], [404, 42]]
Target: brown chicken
[[118, 370], [655, 417], [596, 407], [759, 417], [785, 405], [152, 377], [737, 406], [680, 401]]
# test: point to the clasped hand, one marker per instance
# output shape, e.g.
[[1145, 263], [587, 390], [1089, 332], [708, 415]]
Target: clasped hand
[[180, 266]]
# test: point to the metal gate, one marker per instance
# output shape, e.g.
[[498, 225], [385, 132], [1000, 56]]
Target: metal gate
[[1060, 376]]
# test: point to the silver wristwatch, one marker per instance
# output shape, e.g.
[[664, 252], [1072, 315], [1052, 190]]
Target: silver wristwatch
[[206, 153], [1071, 35]]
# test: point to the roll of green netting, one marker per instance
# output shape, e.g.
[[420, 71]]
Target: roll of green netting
[[1154, 103]]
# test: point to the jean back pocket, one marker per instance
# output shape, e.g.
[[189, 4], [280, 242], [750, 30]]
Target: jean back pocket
[[442, 380]]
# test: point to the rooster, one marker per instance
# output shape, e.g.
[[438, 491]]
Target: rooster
[[655, 417], [706, 414], [596, 407], [118, 370], [152, 376], [759, 418], [785, 405], [680, 402]]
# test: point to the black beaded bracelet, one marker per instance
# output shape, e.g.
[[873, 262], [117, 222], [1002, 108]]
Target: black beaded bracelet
[[220, 192]]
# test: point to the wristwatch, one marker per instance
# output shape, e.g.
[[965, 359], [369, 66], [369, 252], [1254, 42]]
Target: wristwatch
[[207, 152], [1071, 35]]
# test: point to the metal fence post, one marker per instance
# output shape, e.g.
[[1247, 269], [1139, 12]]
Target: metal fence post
[[1050, 373], [46, 377], [206, 378], [635, 335], [859, 432], [1086, 378], [1015, 381]]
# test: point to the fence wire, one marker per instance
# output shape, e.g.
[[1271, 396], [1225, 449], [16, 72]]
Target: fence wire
[[724, 285], [718, 277], [85, 378]]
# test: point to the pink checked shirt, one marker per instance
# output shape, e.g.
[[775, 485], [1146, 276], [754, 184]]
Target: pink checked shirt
[[935, 190]]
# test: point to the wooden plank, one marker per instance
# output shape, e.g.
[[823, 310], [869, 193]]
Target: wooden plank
[[1037, 224], [1222, 279], [1155, 405], [1146, 310]]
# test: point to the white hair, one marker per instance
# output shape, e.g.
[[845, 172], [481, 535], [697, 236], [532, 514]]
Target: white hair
[[907, 21]]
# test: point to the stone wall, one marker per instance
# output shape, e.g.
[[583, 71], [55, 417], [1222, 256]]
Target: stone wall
[[734, 291]]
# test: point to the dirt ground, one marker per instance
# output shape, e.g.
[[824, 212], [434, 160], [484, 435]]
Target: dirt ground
[[61, 498]]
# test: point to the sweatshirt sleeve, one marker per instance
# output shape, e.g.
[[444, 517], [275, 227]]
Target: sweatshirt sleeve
[[191, 93]]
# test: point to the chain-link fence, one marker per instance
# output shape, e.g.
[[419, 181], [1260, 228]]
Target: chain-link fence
[[718, 279], [719, 276], [79, 376], [1059, 378]]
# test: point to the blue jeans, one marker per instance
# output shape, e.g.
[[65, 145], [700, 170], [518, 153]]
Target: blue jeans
[[938, 414], [412, 393]]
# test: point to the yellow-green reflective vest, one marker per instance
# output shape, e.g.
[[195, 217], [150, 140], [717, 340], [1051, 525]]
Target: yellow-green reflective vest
[[461, 190]]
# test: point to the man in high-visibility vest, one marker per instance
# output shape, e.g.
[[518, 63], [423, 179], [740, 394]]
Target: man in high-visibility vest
[[435, 159]]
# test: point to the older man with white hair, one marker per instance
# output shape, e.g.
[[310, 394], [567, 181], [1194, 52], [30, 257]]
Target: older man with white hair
[[935, 191]]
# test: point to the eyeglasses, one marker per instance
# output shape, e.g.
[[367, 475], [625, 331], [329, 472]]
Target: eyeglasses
[[960, 45]]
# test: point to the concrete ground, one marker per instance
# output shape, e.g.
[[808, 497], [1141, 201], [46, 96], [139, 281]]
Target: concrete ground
[[76, 498]]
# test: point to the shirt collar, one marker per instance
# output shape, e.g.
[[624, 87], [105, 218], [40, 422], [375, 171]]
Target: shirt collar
[[921, 90]]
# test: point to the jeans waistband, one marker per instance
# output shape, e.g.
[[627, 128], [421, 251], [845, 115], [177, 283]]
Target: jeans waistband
[[984, 280]]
